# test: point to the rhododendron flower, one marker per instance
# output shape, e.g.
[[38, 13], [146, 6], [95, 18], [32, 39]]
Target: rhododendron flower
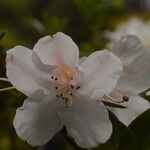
[[135, 78], [62, 92], [133, 26]]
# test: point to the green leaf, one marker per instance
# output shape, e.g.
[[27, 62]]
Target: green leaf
[[146, 144], [17, 102], [141, 126], [2, 34]]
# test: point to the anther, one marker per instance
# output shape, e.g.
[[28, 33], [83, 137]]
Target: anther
[[56, 79], [52, 77], [125, 98], [72, 86], [71, 78], [61, 95], [57, 95], [56, 87], [77, 87], [70, 94]]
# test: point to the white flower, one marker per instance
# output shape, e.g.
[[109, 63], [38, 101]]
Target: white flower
[[62, 92], [134, 26], [135, 78]]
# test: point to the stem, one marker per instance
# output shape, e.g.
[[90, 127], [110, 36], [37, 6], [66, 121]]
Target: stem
[[4, 79], [7, 89]]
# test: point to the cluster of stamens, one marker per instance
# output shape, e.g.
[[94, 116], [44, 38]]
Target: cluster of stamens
[[65, 90]]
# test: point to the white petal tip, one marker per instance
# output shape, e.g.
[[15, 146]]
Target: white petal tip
[[148, 93]]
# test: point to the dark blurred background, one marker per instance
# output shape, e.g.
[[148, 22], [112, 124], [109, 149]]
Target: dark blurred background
[[24, 22]]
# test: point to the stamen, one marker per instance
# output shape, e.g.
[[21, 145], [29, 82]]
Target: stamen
[[114, 100], [62, 91], [125, 97], [72, 86]]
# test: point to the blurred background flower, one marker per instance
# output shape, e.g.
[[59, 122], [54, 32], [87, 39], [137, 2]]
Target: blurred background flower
[[133, 26], [24, 22]]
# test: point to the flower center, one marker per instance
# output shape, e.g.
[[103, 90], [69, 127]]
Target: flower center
[[65, 82]]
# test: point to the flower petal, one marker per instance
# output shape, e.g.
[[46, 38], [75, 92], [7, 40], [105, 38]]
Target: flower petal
[[136, 77], [43, 67], [87, 122], [57, 49], [36, 121], [82, 59], [127, 48], [135, 106], [22, 73], [101, 70]]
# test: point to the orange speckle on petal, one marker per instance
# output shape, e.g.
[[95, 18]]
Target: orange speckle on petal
[[65, 71]]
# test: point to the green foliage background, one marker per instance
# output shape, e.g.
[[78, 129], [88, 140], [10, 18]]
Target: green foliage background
[[24, 22]]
